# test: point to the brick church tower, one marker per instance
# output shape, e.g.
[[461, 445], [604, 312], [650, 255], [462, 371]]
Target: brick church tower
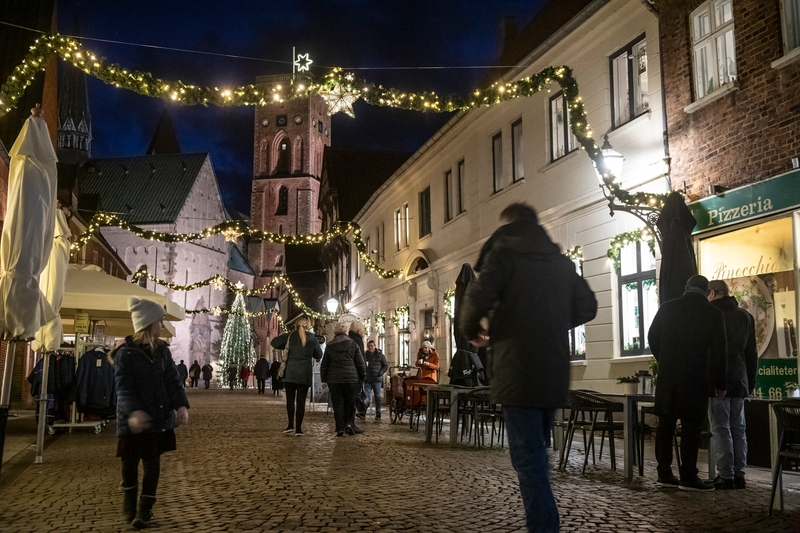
[[289, 141]]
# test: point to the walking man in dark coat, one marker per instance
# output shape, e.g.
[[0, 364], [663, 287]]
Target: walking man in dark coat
[[687, 338], [533, 297], [262, 373], [727, 414]]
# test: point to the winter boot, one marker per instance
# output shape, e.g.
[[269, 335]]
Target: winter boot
[[145, 512], [129, 503]]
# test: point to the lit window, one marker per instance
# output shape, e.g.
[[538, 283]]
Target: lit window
[[790, 15], [562, 141], [629, 82], [577, 336], [638, 297], [398, 229], [713, 46], [516, 151], [425, 212]]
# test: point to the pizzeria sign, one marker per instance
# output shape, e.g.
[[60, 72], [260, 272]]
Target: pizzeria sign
[[744, 203]]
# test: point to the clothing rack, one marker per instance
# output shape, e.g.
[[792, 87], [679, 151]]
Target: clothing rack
[[83, 343]]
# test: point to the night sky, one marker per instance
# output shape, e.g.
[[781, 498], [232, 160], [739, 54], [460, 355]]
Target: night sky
[[355, 34]]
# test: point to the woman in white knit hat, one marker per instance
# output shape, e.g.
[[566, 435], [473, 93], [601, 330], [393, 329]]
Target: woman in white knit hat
[[151, 403]]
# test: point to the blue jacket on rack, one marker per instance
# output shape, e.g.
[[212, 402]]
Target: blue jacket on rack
[[94, 382], [147, 382]]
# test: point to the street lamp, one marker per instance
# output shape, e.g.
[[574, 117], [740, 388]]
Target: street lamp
[[332, 305], [612, 161]]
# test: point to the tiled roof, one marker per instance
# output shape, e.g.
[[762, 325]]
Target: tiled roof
[[356, 174], [237, 261], [148, 189]]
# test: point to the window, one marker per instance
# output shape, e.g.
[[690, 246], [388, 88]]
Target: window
[[459, 190], [713, 46], [358, 260], [517, 167], [577, 336], [562, 141], [425, 212], [449, 196], [454, 186], [790, 13], [398, 229], [284, 156], [638, 297], [283, 202], [629, 82], [406, 218], [497, 162]]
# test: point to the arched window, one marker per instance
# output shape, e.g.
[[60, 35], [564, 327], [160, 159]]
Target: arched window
[[284, 156], [283, 201]]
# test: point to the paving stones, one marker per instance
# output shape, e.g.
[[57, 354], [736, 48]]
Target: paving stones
[[235, 470]]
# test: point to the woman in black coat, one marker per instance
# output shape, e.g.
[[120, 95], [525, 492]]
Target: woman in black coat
[[277, 383], [151, 403], [343, 369]]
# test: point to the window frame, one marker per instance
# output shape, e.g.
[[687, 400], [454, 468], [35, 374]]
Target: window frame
[[517, 159], [570, 141], [638, 277], [405, 224], [785, 25], [460, 171], [628, 51], [573, 355], [497, 161], [710, 41], [449, 198], [425, 212], [398, 229]]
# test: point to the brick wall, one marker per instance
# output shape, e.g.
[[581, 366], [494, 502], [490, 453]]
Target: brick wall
[[748, 135]]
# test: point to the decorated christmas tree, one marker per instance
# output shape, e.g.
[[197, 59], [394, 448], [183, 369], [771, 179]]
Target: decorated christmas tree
[[237, 346]]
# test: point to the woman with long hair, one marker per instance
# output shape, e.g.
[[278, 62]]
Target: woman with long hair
[[301, 347], [151, 403]]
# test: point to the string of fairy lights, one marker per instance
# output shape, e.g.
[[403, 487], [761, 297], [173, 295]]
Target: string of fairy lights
[[233, 230], [338, 88], [618, 242]]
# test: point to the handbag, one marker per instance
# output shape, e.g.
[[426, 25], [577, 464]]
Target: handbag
[[282, 370], [362, 400]]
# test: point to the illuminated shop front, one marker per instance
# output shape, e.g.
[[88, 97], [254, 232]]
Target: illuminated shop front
[[749, 238]]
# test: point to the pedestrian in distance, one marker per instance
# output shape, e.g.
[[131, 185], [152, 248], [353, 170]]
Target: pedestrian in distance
[[301, 348], [343, 369], [183, 373], [533, 296], [194, 374], [262, 373], [207, 371], [687, 338], [376, 367], [244, 375], [151, 403], [233, 374], [727, 413], [275, 381], [427, 362]]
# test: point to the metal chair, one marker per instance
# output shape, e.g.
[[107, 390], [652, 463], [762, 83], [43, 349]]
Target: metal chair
[[598, 413], [787, 413]]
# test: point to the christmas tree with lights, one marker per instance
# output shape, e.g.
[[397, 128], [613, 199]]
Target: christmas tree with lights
[[237, 347]]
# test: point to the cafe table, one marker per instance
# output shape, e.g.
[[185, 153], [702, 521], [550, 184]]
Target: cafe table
[[454, 392], [630, 408]]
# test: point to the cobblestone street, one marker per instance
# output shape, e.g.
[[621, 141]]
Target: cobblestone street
[[235, 470]]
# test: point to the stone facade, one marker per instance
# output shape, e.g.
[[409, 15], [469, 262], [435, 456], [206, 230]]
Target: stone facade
[[749, 133]]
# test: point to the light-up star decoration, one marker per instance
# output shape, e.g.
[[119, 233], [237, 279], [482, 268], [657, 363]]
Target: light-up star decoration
[[216, 310], [217, 283], [231, 234], [239, 286], [302, 63], [340, 100]]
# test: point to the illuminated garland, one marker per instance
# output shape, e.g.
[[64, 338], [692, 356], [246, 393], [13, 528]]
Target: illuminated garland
[[623, 239], [338, 88], [219, 281], [380, 323], [398, 312], [449, 294], [575, 254], [232, 230]]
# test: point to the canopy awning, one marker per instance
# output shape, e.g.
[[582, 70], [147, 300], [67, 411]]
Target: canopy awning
[[104, 297]]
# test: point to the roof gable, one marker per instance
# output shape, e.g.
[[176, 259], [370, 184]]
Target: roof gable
[[150, 189]]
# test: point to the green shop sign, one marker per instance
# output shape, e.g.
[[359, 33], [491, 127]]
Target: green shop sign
[[772, 377], [751, 201]]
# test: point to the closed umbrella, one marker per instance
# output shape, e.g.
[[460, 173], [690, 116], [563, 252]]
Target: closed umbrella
[[678, 262], [465, 277], [49, 336], [25, 245], [470, 367]]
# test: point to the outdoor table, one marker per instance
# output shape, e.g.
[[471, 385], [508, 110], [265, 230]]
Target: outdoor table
[[419, 386], [630, 404], [455, 391]]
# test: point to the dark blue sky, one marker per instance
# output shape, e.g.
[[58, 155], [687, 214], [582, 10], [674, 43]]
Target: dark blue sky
[[352, 34]]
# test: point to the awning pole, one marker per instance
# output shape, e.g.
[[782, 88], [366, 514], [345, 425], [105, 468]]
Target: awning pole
[[42, 407], [5, 395]]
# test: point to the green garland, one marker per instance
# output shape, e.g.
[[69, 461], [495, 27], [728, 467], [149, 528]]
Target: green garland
[[398, 312], [448, 303], [380, 323], [337, 87], [623, 239]]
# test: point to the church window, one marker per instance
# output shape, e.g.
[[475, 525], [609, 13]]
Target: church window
[[284, 156], [283, 202]]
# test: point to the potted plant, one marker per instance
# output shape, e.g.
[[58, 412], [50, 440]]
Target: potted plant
[[631, 383], [792, 389]]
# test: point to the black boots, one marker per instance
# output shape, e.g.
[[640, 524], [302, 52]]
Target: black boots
[[145, 512], [128, 503]]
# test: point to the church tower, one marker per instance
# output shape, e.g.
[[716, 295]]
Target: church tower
[[74, 121], [289, 141]]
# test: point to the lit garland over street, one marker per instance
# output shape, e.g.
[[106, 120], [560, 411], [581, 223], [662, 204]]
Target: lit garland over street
[[234, 229], [340, 90]]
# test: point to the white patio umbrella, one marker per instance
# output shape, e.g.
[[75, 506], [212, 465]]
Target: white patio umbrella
[[25, 246], [49, 336]]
